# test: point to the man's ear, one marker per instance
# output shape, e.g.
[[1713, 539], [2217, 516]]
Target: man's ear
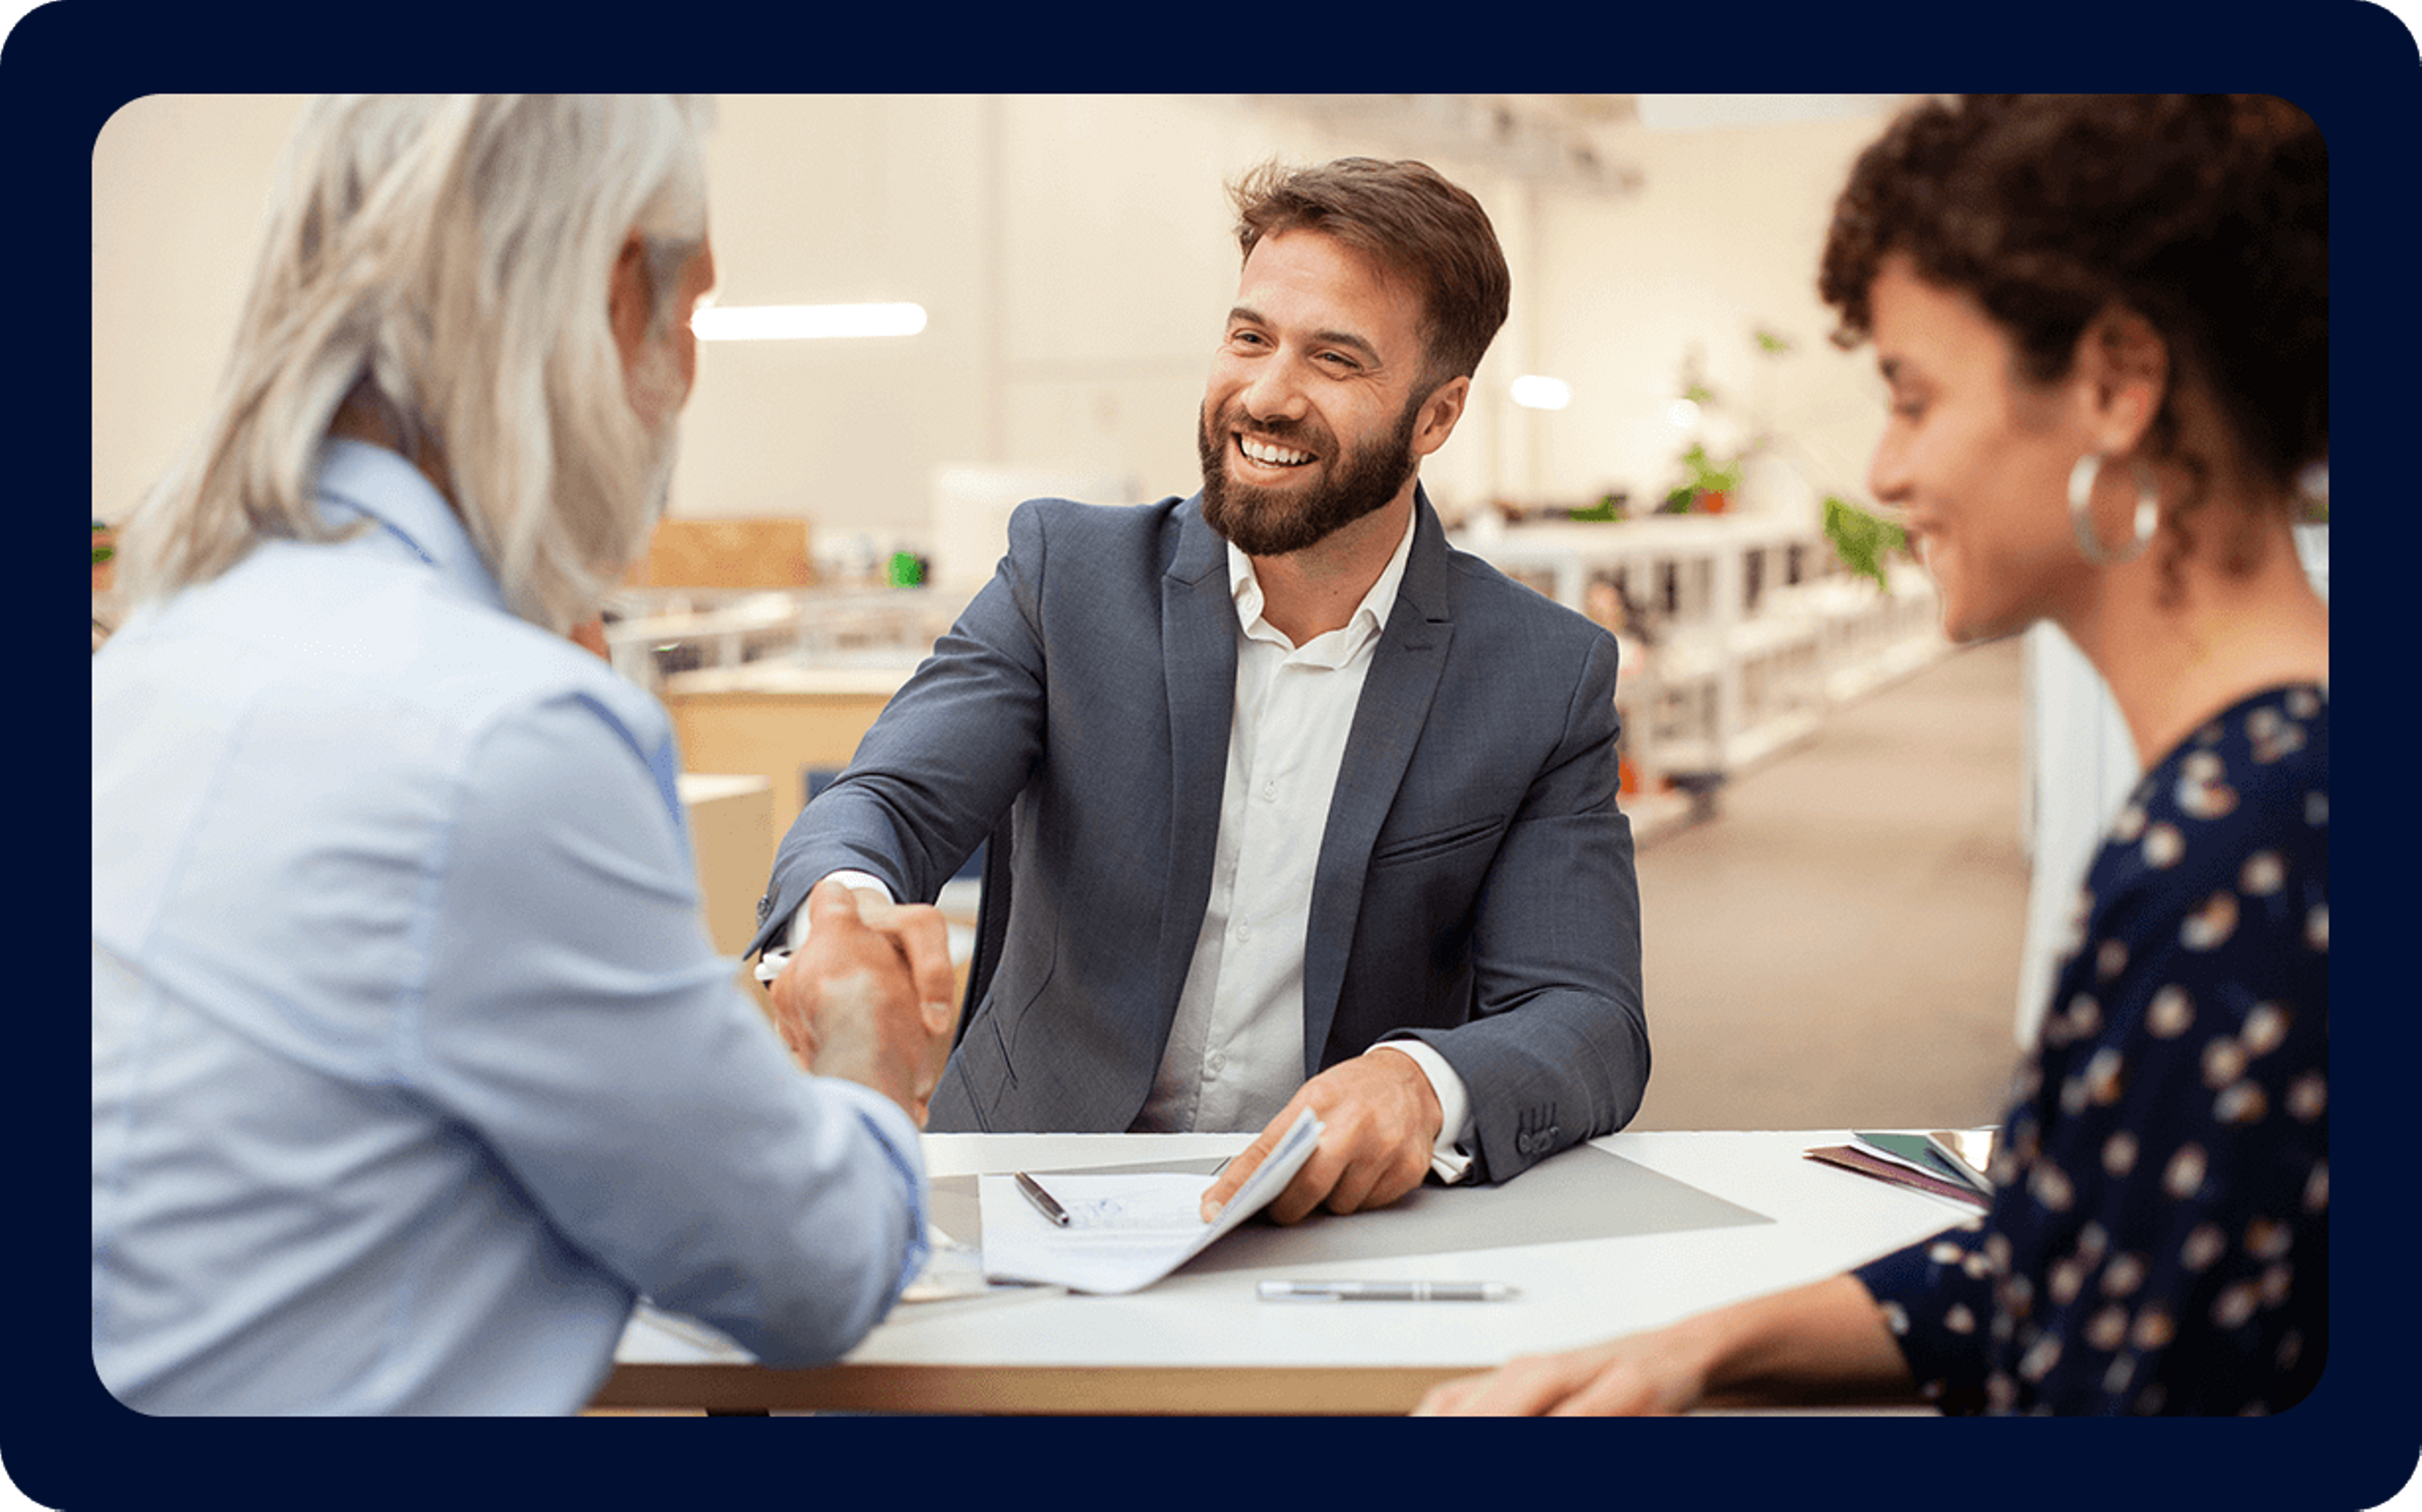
[[1439, 414], [628, 304], [2122, 375]]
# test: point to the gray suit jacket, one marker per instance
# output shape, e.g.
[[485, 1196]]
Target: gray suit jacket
[[1474, 887]]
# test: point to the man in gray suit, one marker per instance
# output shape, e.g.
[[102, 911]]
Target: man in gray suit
[[1309, 810]]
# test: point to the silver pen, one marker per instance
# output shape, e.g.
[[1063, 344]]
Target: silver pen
[[1042, 1200], [1385, 1291]]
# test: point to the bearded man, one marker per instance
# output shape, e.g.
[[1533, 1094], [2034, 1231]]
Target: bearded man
[[1302, 809]]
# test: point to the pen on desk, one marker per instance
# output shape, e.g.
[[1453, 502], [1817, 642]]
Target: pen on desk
[[1385, 1291], [1041, 1199]]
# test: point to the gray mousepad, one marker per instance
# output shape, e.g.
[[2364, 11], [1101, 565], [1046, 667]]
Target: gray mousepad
[[1583, 1194]]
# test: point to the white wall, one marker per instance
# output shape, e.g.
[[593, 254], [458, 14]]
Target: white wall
[[1722, 240], [178, 187], [1075, 257]]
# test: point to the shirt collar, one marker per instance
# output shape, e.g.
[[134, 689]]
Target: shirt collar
[[357, 477], [1370, 617]]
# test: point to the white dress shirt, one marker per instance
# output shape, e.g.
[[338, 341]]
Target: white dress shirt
[[1236, 1049], [1235, 1052]]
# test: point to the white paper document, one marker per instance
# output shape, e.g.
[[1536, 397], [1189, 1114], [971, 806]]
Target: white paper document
[[954, 1272], [1125, 1231]]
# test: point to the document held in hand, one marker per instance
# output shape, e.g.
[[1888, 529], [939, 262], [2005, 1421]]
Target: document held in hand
[[1125, 1231]]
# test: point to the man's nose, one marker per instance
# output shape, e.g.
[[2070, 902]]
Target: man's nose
[[1275, 393]]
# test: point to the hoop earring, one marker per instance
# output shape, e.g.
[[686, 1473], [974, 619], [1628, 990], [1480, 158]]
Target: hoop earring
[[2082, 479]]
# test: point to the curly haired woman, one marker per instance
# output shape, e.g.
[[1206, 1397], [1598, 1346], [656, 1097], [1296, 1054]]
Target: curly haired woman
[[2103, 322]]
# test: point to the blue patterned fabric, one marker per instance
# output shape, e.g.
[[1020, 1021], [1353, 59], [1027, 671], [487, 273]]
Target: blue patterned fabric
[[2160, 1237]]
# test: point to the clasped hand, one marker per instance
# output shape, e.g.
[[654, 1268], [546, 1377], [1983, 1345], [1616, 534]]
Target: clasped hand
[[1380, 1120], [870, 996]]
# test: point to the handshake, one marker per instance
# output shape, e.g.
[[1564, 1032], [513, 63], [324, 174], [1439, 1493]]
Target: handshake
[[870, 996]]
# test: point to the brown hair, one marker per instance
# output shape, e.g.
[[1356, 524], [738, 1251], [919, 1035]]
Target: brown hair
[[2206, 215], [1410, 220]]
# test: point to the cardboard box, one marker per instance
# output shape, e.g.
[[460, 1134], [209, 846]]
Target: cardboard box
[[728, 553]]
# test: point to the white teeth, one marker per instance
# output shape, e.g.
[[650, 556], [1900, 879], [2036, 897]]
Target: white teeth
[[1276, 456]]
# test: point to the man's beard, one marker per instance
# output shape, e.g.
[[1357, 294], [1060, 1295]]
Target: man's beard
[[1272, 522]]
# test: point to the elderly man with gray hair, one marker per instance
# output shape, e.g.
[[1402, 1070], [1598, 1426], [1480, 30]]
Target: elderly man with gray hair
[[413, 1067]]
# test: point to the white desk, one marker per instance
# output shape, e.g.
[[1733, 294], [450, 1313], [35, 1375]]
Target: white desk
[[1202, 1341]]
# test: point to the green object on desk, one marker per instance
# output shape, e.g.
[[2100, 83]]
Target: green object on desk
[[905, 571]]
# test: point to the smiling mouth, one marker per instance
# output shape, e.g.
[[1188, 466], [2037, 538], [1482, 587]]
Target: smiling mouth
[[1270, 455]]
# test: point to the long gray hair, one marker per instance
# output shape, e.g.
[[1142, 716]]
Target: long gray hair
[[452, 256]]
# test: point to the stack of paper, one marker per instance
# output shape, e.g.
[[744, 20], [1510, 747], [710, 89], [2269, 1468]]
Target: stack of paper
[[1947, 1162], [1125, 1231]]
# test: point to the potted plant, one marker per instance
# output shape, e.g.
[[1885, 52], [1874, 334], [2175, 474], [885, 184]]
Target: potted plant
[[1706, 487], [1608, 507]]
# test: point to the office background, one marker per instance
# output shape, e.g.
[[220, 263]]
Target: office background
[[1075, 257]]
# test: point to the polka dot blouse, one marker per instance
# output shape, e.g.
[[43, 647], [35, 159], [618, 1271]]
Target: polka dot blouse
[[2158, 1241]]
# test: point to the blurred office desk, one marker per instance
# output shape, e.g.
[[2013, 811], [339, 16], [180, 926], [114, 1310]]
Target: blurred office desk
[[778, 721], [731, 840], [1201, 1342]]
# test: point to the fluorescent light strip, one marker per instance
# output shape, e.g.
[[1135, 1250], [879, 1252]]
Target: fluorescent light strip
[[799, 322]]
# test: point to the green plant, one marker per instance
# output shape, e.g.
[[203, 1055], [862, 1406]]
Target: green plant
[[1701, 474], [101, 549], [1861, 540]]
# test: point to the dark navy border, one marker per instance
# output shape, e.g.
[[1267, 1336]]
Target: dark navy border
[[69, 64]]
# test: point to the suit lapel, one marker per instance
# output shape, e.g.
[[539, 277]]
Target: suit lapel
[[1199, 661], [1396, 703]]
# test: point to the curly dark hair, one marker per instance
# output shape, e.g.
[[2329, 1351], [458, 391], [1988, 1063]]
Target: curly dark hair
[[1415, 223], [2206, 215]]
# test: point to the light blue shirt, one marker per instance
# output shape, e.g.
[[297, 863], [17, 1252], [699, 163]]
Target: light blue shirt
[[413, 1065]]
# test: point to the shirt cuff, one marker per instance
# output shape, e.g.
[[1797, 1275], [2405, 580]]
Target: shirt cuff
[[1449, 1161], [897, 1133], [770, 964]]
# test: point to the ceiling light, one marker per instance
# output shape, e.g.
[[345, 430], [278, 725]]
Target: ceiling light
[[799, 322]]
